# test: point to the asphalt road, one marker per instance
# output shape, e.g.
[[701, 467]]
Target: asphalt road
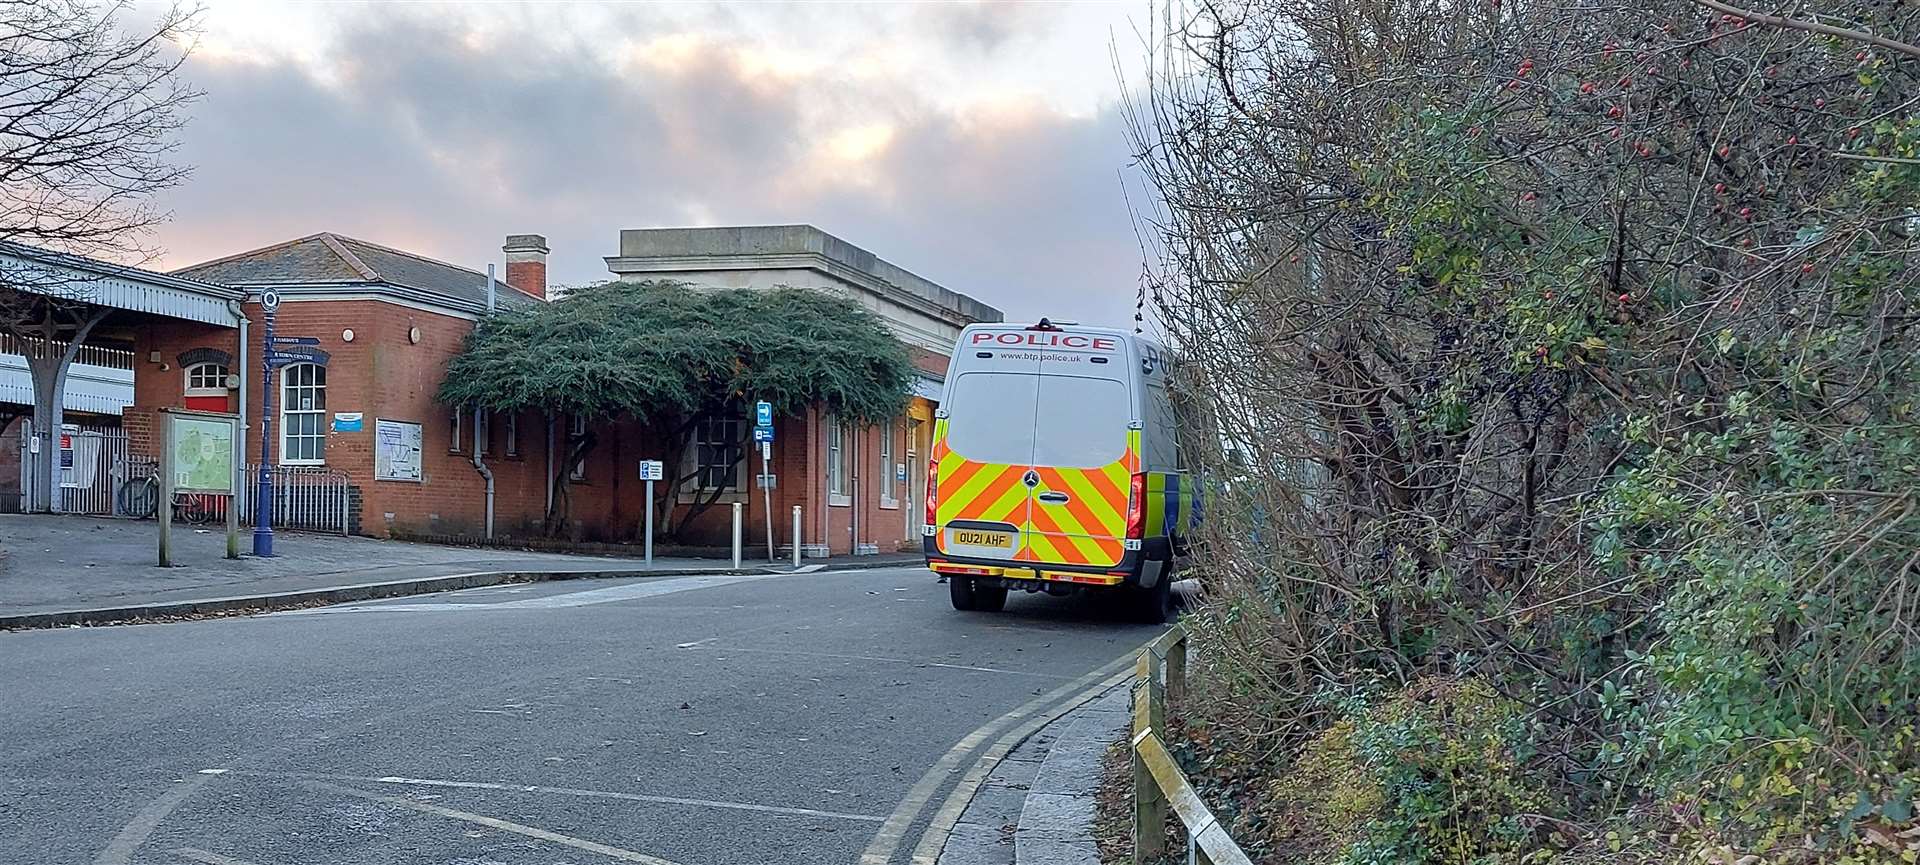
[[690, 721]]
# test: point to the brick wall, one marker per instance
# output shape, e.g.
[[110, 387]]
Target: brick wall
[[383, 374], [10, 464]]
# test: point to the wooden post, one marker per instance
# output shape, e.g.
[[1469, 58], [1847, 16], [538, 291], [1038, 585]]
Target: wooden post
[[1149, 803], [165, 489], [1177, 669]]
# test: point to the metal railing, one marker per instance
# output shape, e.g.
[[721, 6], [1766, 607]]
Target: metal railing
[[1157, 779], [304, 497], [96, 355]]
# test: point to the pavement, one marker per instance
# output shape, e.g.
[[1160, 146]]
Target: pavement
[[826, 717], [68, 569], [1038, 807]]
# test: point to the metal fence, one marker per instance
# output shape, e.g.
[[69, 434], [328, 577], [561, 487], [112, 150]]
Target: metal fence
[[304, 497], [1157, 779], [89, 457]]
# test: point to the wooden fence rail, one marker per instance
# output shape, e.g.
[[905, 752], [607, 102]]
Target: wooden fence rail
[[1160, 674]]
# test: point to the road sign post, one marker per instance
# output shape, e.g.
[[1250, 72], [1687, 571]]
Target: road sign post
[[763, 433], [263, 491], [650, 471]]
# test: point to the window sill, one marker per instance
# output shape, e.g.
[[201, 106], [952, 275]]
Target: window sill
[[840, 501], [297, 464], [889, 504]]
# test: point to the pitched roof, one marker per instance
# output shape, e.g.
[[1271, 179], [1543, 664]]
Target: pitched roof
[[332, 259]]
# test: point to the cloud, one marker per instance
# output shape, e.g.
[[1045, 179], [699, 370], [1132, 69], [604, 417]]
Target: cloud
[[441, 135]]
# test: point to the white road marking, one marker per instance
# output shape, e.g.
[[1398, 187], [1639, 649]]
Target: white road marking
[[209, 857], [494, 823], [695, 643], [881, 849], [590, 597], [877, 658], [565, 791], [120, 850]]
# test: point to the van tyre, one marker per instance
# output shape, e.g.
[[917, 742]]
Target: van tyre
[[967, 596], [1155, 606]]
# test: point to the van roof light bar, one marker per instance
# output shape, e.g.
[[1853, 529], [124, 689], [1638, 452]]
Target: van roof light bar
[[1043, 325]]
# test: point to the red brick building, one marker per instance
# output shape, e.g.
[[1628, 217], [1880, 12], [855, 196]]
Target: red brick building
[[387, 323]]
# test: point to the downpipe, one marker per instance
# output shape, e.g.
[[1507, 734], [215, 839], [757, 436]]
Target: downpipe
[[480, 465]]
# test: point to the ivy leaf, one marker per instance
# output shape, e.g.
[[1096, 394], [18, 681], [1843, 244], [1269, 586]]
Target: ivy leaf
[[1861, 807]]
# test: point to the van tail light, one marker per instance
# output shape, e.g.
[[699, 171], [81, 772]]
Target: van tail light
[[1137, 507], [933, 495]]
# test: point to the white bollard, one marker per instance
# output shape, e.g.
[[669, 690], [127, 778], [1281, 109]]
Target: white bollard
[[796, 537], [736, 536]]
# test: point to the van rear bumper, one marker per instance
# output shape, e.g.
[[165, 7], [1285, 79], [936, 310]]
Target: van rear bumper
[[1125, 572]]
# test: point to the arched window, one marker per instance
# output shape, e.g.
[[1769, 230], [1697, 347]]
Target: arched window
[[207, 386], [303, 412]]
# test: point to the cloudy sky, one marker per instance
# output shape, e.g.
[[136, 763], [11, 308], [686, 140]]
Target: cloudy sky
[[979, 145]]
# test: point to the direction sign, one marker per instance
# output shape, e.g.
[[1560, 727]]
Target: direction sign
[[763, 434], [283, 358], [763, 413], [296, 340]]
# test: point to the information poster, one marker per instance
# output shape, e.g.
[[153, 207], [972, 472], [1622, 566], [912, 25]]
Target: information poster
[[396, 451]]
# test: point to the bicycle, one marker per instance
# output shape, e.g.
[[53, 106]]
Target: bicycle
[[140, 498]]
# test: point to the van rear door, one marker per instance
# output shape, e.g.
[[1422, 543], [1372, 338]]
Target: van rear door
[[1084, 458], [986, 455]]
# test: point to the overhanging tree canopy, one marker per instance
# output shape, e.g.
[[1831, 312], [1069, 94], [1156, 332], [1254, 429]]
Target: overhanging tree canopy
[[671, 356]]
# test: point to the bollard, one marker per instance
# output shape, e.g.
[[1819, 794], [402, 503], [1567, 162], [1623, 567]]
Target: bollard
[[796, 537], [736, 536]]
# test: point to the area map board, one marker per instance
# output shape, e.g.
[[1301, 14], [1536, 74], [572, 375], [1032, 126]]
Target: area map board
[[202, 453]]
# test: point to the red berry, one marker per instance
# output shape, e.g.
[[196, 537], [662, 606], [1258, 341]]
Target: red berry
[[1819, 103], [1625, 297], [1746, 213], [1746, 241], [1587, 87], [1513, 84], [1773, 71], [1793, 139], [1615, 111], [1720, 189], [1528, 196], [1644, 149], [1626, 82], [1807, 268], [1854, 132], [1862, 57], [1725, 151], [1616, 132], [1549, 295]]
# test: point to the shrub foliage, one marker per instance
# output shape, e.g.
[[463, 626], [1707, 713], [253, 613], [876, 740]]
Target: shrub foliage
[[1565, 353]]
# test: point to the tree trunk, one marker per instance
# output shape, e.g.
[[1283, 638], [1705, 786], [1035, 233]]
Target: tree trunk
[[47, 365], [561, 513]]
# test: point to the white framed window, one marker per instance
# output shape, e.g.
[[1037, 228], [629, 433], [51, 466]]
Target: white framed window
[[839, 486], [207, 379], [889, 487], [483, 432], [718, 452], [576, 429], [513, 434], [303, 412], [454, 428]]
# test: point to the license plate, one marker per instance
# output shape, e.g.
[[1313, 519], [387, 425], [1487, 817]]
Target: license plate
[[974, 538]]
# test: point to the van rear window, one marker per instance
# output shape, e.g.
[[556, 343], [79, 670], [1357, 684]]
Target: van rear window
[[1048, 420]]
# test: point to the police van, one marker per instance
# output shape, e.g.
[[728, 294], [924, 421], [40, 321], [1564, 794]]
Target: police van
[[1055, 468]]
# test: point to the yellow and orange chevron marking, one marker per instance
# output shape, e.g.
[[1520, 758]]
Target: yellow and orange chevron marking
[[1085, 530]]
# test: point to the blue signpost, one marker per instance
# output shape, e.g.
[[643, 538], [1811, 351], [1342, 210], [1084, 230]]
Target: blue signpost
[[263, 492], [275, 352]]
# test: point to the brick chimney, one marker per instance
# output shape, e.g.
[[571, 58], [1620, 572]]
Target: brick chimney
[[527, 263]]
